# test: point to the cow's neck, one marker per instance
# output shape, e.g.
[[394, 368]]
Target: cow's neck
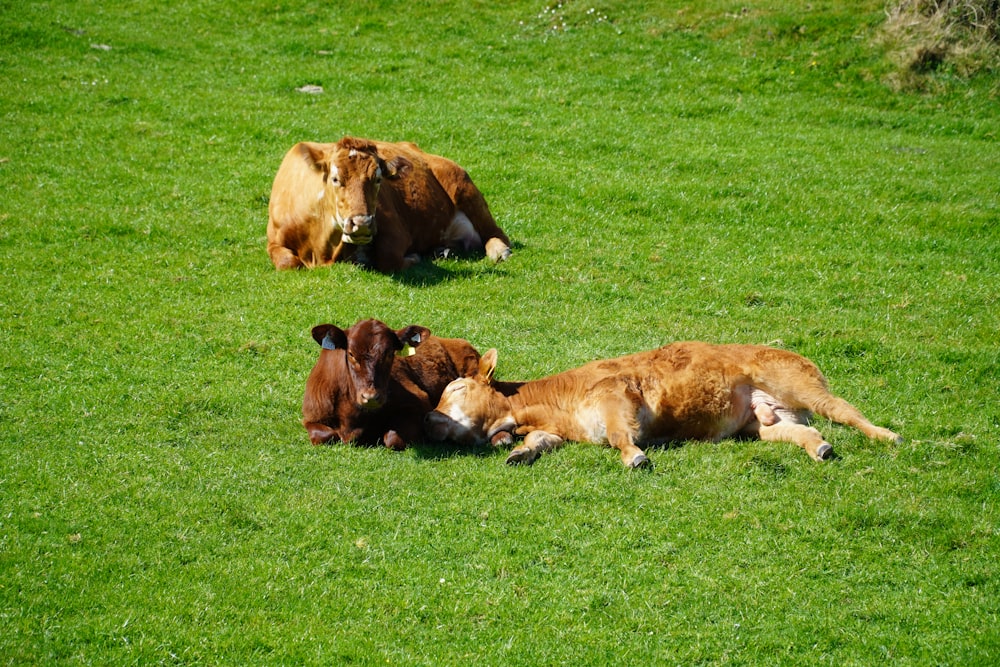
[[532, 408]]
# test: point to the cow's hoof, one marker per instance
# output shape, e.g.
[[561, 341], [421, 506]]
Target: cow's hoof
[[886, 434], [640, 462], [824, 451], [497, 250], [502, 439], [520, 456]]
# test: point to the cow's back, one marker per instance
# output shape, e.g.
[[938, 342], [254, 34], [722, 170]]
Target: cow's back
[[682, 386]]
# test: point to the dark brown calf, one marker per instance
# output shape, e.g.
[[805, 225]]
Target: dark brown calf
[[374, 384]]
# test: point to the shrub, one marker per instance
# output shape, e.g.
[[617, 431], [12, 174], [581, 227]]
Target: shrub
[[927, 36]]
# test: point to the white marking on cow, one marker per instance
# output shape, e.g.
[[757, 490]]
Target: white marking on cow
[[460, 232], [320, 194], [352, 152], [460, 417], [592, 423]]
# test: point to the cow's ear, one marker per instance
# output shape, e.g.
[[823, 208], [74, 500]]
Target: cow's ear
[[329, 337], [396, 167], [487, 366], [410, 337], [315, 155]]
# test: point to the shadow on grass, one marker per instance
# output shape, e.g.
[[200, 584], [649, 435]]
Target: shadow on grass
[[464, 265], [437, 451]]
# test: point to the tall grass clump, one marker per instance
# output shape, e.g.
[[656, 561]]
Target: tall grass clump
[[928, 36]]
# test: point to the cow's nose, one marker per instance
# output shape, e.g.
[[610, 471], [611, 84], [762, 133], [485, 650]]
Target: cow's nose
[[370, 398], [356, 222]]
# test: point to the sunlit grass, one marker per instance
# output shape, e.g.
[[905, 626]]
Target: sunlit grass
[[665, 172]]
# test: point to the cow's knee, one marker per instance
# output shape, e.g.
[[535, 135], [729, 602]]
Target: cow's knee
[[285, 259], [394, 441], [502, 439]]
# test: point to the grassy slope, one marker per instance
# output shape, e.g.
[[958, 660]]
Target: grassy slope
[[667, 173]]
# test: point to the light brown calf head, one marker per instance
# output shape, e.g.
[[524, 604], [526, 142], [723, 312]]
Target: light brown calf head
[[471, 411]]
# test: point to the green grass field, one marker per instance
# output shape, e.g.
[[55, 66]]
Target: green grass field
[[667, 171]]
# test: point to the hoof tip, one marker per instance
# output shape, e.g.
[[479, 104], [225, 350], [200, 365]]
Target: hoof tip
[[519, 457], [641, 462]]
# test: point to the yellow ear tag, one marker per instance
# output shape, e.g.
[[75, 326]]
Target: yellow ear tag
[[407, 351]]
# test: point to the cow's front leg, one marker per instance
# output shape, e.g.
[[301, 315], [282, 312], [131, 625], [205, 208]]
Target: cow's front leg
[[319, 433], [632, 456], [535, 444], [502, 439], [392, 260], [391, 247], [619, 411]]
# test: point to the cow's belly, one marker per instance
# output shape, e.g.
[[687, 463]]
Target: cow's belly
[[710, 415]]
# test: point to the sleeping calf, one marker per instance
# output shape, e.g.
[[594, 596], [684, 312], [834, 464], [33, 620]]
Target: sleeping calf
[[684, 391], [374, 384]]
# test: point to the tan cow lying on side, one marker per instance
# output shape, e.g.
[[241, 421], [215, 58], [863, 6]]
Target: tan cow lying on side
[[683, 391], [396, 201]]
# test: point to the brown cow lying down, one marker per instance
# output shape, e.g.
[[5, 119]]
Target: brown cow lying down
[[684, 391], [393, 200], [372, 383]]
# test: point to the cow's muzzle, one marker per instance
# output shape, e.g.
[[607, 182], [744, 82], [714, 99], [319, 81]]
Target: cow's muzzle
[[359, 229], [370, 399], [436, 426]]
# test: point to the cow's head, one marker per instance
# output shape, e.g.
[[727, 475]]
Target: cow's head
[[369, 348], [352, 173], [471, 411]]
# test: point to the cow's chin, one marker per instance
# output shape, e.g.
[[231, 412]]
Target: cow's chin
[[357, 239]]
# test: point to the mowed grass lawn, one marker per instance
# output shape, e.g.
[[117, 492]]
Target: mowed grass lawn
[[667, 171]]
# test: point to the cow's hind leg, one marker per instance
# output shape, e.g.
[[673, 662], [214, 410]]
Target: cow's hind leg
[[776, 423], [470, 201], [837, 409], [534, 445], [796, 383]]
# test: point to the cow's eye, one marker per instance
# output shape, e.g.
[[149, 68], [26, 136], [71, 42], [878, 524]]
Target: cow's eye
[[335, 181]]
